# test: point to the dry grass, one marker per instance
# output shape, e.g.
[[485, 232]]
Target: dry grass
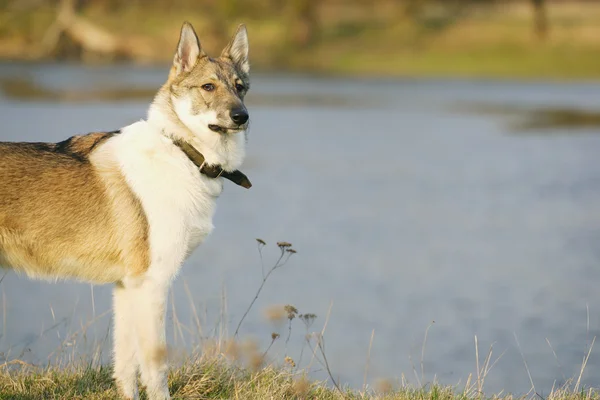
[[217, 378], [232, 368]]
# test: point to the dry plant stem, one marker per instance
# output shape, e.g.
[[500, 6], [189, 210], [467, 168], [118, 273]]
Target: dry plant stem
[[3, 313], [104, 341], [557, 361], [63, 321], [308, 321], [368, 361], [288, 336], [176, 323], [583, 365], [532, 390], [269, 348], [262, 262], [93, 301], [587, 330], [314, 353], [3, 307], [321, 346], [194, 311], [485, 369], [325, 363], [302, 349], [223, 328], [423, 352], [280, 262], [479, 385], [412, 364], [73, 335]]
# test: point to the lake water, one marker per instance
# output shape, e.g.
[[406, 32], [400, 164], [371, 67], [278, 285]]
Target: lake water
[[404, 207]]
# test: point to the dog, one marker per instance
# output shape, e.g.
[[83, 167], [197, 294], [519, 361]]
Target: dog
[[129, 206]]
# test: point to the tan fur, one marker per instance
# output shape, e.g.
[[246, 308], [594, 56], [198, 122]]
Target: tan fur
[[159, 355], [222, 71], [219, 71], [62, 207]]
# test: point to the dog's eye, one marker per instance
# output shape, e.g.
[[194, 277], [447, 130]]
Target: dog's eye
[[239, 87], [209, 87]]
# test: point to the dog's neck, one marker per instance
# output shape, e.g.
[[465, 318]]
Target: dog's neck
[[211, 171], [225, 150]]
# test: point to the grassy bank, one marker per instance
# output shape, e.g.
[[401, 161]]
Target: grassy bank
[[219, 380], [200, 380], [241, 369], [358, 38]]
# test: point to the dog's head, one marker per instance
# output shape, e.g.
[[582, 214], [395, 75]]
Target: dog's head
[[208, 93]]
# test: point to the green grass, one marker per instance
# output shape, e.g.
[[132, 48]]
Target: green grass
[[199, 380], [221, 380], [495, 62]]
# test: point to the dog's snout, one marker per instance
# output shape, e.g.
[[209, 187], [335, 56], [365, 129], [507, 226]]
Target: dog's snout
[[239, 116]]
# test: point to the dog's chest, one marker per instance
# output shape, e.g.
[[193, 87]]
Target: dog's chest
[[178, 201], [201, 208], [192, 201]]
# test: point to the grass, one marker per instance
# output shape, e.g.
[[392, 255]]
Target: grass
[[196, 380], [218, 379], [232, 368], [485, 41], [200, 380], [558, 120]]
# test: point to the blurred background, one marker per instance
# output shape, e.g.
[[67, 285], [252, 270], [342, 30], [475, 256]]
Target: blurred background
[[535, 38], [429, 161]]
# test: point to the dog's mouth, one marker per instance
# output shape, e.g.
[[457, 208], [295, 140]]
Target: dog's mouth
[[222, 129]]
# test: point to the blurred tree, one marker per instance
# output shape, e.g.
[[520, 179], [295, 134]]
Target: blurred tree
[[540, 19], [413, 8], [304, 29], [224, 11]]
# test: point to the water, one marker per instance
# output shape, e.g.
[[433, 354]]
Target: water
[[404, 209]]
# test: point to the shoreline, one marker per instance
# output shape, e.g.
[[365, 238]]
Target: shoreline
[[487, 42]]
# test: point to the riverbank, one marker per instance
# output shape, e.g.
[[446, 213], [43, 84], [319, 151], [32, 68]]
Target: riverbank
[[219, 380], [484, 41]]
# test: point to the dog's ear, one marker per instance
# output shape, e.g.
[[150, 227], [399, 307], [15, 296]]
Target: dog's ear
[[237, 49], [188, 49]]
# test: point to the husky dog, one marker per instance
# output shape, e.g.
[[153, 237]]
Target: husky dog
[[129, 206]]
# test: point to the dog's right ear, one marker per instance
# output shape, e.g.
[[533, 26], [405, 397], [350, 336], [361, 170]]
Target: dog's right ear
[[188, 49]]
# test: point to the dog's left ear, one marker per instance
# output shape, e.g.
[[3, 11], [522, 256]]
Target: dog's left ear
[[237, 49]]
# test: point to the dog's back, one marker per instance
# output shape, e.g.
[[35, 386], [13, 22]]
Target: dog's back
[[57, 217]]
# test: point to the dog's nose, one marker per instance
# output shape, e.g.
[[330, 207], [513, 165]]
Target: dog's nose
[[239, 116]]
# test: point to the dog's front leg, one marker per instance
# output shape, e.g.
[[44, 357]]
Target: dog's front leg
[[125, 342], [151, 299]]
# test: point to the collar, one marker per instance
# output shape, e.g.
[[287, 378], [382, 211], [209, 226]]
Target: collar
[[212, 171]]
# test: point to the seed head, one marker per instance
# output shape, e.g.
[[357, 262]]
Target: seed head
[[291, 311], [274, 336], [308, 319], [288, 360], [284, 245], [260, 241]]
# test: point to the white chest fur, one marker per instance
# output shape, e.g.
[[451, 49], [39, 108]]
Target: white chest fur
[[179, 202]]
